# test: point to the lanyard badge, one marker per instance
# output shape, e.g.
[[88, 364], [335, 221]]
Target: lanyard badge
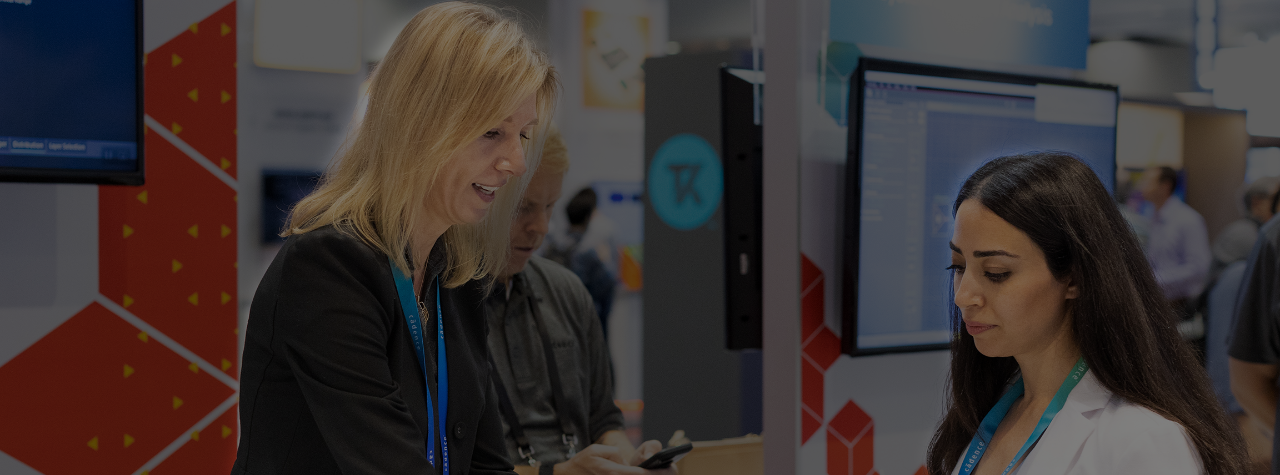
[[404, 288], [987, 430]]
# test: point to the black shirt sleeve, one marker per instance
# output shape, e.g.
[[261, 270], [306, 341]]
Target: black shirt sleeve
[[604, 415], [1256, 336], [335, 335]]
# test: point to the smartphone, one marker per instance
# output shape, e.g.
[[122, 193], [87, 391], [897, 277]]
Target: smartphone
[[665, 457]]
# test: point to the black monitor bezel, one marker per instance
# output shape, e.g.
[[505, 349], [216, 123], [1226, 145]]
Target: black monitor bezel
[[134, 177], [853, 180]]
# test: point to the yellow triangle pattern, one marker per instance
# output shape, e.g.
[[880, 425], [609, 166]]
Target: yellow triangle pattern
[[226, 431], [144, 60], [226, 365], [176, 60], [226, 30], [195, 435], [128, 440], [226, 96], [194, 368], [177, 266], [128, 231], [143, 197], [236, 331], [194, 95], [225, 163], [194, 298], [194, 230], [235, 265], [226, 297], [177, 129], [177, 402], [225, 230], [128, 371], [143, 336], [195, 28], [93, 443], [127, 302]]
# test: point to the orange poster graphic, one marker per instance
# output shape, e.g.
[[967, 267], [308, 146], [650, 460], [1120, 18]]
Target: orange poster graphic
[[614, 47]]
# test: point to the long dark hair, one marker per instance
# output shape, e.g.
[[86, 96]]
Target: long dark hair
[[1125, 329]]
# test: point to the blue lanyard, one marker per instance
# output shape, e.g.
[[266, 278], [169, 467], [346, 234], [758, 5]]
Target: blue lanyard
[[404, 287], [989, 424]]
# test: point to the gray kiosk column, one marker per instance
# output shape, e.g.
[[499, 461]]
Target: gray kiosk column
[[691, 381]]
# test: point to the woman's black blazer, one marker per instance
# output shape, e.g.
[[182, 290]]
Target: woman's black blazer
[[330, 381]]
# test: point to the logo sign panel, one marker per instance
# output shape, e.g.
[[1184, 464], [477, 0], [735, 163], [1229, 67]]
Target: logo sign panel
[[686, 182]]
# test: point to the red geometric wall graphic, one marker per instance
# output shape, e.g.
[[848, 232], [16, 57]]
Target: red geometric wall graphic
[[205, 449], [96, 396], [851, 432], [144, 378], [168, 252], [191, 87]]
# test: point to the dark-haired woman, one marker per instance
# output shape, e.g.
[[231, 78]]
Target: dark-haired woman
[[1066, 358]]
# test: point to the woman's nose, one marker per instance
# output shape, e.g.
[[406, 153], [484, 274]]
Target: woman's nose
[[966, 292], [512, 159]]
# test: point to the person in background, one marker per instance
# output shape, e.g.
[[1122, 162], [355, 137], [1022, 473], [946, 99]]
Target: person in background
[[1226, 274], [554, 385], [1178, 243], [1254, 350], [1234, 243], [587, 260], [1137, 222]]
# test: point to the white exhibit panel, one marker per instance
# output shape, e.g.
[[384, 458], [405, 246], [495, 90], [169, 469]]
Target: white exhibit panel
[[308, 35]]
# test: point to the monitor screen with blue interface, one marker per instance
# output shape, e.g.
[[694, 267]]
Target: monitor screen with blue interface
[[918, 134], [70, 91]]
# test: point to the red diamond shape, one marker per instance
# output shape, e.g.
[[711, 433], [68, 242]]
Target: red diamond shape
[[824, 348]]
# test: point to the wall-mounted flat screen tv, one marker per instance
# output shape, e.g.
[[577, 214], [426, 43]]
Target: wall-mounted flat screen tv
[[71, 91], [916, 132]]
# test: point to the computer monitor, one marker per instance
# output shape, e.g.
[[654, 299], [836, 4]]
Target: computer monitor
[[71, 91], [917, 133]]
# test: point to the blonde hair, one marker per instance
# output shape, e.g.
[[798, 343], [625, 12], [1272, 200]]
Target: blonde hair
[[555, 156], [456, 70]]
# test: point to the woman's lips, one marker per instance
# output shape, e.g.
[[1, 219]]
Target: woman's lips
[[486, 197], [976, 328]]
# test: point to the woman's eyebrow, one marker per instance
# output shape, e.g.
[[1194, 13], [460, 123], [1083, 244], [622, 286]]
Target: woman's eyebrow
[[994, 253], [980, 254]]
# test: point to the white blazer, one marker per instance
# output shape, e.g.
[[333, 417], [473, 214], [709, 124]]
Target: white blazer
[[1097, 433]]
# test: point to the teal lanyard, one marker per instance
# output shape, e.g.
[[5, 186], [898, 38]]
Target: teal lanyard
[[989, 424], [404, 287]]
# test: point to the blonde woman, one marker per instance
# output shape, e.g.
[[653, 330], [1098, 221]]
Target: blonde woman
[[365, 350]]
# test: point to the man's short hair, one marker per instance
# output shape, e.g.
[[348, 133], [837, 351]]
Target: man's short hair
[[1167, 175], [1261, 189], [555, 156], [581, 206]]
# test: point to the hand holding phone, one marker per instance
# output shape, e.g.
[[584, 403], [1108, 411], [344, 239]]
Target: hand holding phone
[[665, 457]]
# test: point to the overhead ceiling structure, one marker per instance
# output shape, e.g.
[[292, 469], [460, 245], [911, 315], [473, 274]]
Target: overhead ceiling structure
[[1240, 22]]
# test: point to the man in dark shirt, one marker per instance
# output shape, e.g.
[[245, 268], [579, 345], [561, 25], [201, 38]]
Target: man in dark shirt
[[1255, 345], [555, 382]]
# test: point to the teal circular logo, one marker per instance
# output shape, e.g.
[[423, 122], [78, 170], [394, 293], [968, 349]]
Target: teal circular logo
[[685, 181]]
